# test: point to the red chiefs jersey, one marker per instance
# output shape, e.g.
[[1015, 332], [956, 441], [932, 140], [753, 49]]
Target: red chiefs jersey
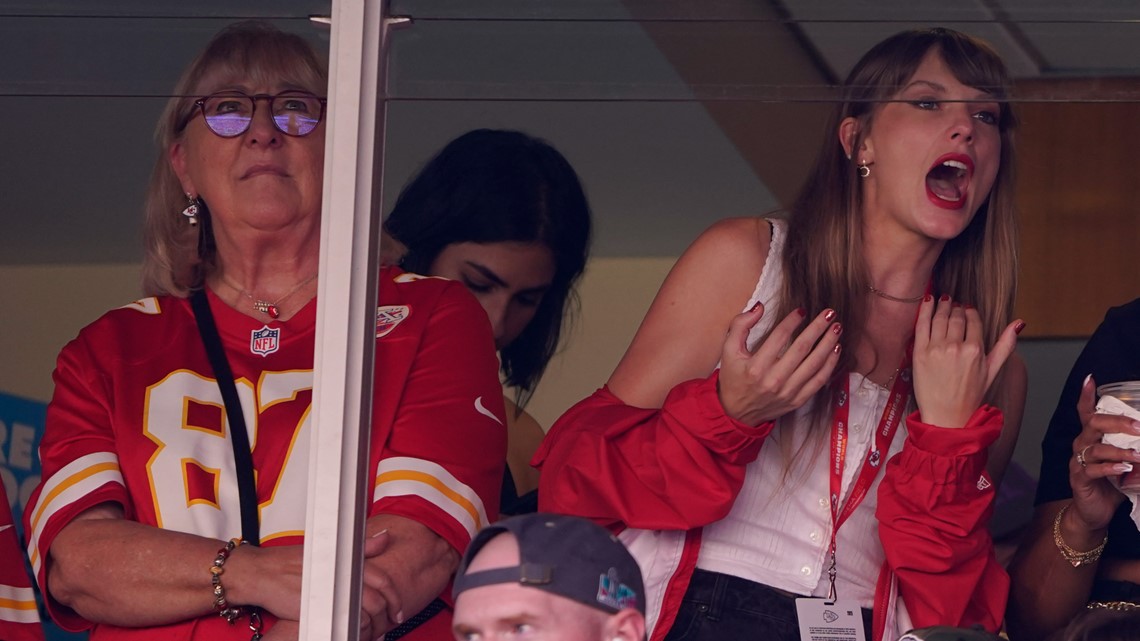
[[19, 618], [138, 419]]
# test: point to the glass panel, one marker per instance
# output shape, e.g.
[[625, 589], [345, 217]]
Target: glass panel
[[674, 113], [767, 59]]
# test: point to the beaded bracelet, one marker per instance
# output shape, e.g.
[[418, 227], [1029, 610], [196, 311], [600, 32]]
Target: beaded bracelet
[[1075, 558], [228, 612]]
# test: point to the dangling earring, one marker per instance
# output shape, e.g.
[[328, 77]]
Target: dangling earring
[[864, 169], [191, 211]]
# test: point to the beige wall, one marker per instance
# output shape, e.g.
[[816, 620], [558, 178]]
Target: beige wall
[[615, 293], [45, 306]]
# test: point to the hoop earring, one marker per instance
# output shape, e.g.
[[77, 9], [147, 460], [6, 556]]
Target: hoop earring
[[191, 211], [864, 169]]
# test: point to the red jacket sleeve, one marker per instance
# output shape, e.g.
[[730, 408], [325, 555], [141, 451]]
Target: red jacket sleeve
[[934, 503], [677, 467]]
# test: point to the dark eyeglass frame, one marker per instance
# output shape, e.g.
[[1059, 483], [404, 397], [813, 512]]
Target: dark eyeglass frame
[[200, 105]]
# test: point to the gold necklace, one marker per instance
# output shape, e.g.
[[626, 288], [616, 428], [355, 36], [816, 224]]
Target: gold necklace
[[270, 309], [898, 299]]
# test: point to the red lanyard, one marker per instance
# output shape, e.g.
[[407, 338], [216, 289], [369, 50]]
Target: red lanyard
[[884, 434]]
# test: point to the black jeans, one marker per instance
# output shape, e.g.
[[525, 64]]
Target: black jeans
[[719, 607]]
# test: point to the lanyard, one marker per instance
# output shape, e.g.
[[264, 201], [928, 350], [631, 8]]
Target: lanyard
[[884, 434]]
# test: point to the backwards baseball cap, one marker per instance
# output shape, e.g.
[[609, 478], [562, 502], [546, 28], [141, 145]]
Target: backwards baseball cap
[[562, 555]]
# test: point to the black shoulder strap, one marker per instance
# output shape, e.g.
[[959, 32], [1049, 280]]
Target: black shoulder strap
[[239, 437]]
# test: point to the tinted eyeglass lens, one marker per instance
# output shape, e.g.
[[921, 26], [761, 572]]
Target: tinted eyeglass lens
[[296, 114], [228, 115]]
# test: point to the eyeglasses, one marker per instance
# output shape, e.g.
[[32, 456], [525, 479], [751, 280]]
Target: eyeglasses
[[229, 113]]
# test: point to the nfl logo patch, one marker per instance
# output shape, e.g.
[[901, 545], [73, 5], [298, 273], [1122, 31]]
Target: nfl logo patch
[[264, 341], [388, 317]]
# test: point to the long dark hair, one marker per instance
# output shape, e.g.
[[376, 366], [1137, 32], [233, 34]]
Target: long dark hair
[[490, 186]]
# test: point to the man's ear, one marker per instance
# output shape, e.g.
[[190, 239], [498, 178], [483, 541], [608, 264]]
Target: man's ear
[[626, 625], [177, 158]]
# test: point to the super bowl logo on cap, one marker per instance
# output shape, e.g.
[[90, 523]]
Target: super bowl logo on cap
[[614, 593], [388, 317], [264, 341]]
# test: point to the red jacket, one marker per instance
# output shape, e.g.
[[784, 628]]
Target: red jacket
[[662, 474]]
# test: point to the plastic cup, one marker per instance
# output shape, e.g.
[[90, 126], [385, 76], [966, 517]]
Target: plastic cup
[[1127, 392]]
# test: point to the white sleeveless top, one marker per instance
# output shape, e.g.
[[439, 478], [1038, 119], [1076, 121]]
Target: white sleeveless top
[[779, 528]]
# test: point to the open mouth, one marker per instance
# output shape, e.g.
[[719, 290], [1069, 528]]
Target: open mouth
[[948, 181]]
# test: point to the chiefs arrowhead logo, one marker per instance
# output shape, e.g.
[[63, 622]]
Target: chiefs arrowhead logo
[[388, 317]]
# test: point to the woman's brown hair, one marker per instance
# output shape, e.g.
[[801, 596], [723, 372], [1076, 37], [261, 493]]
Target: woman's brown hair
[[823, 262]]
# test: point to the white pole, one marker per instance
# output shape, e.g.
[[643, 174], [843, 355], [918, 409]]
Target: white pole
[[346, 322]]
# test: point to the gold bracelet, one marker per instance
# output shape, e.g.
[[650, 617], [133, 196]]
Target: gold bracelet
[[1075, 558]]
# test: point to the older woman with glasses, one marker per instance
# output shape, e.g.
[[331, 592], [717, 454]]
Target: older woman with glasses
[[175, 458]]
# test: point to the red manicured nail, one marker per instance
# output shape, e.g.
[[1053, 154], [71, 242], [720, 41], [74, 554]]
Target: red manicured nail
[[928, 298], [836, 329], [802, 311], [754, 307], [838, 348], [944, 298], [828, 315], [968, 306], [1018, 327]]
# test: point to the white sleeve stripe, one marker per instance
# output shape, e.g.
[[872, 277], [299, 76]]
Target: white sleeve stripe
[[18, 604], [434, 483], [76, 480], [20, 616], [433, 496]]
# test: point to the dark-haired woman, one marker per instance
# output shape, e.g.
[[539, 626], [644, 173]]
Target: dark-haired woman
[[763, 462], [505, 214]]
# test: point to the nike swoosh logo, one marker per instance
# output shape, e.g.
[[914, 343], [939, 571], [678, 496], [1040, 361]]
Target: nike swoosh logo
[[479, 407]]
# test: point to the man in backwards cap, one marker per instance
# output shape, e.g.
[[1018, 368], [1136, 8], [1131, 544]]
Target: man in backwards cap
[[550, 577]]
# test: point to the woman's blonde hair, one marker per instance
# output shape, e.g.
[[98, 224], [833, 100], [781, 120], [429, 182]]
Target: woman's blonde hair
[[178, 257], [823, 262]]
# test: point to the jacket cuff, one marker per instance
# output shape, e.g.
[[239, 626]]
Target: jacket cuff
[[976, 435], [696, 403]]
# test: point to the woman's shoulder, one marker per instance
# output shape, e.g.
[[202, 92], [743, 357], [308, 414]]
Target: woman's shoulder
[[133, 331], [401, 292], [1126, 314], [150, 311], [682, 335], [750, 236], [730, 247], [399, 286]]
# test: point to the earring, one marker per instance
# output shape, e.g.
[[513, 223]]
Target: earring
[[191, 211], [864, 169]]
